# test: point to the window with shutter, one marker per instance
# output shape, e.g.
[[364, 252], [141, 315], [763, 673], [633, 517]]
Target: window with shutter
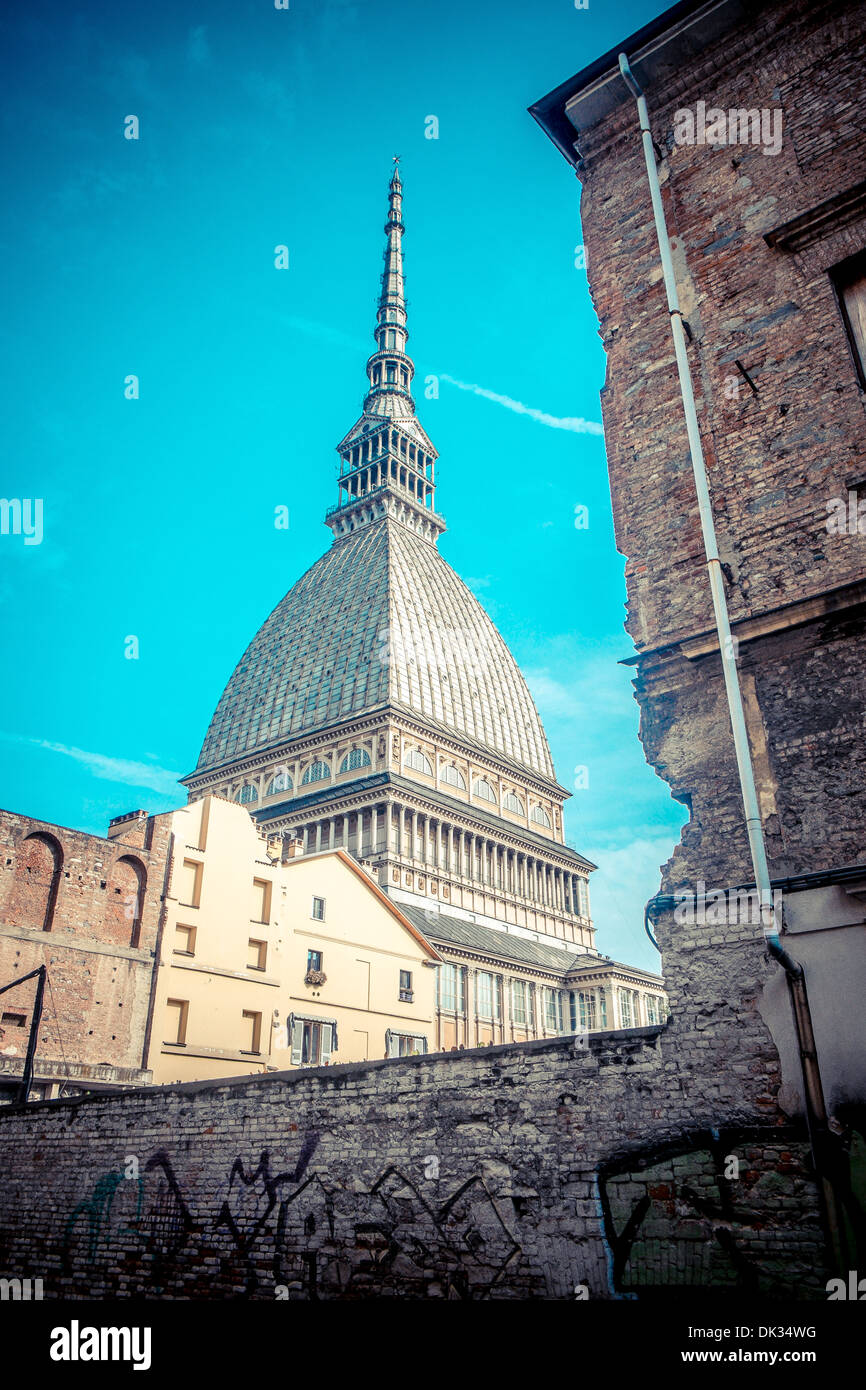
[[313, 1040], [404, 1044]]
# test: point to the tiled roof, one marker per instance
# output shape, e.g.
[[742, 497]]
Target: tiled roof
[[444, 930], [380, 619], [453, 931]]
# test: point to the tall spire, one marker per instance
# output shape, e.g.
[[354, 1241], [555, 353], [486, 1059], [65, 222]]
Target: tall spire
[[387, 462], [390, 370]]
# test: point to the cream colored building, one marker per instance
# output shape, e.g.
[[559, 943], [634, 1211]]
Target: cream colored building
[[267, 963]]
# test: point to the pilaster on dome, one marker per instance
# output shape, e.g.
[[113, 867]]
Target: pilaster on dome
[[387, 462]]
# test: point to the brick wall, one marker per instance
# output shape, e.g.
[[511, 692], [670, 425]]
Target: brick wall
[[507, 1172], [88, 908], [776, 456]]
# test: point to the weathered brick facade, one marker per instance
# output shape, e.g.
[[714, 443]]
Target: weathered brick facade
[[754, 238], [776, 456], [87, 908]]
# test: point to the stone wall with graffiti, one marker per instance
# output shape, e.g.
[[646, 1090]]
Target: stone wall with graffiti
[[541, 1170]]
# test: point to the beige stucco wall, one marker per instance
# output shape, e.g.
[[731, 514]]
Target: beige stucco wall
[[363, 941], [364, 947]]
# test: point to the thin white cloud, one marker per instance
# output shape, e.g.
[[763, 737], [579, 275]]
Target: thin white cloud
[[574, 423], [125, 771]]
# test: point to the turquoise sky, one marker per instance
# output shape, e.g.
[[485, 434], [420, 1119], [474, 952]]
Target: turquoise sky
[[262, 127]]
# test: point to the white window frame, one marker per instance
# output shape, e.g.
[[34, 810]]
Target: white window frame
[[297, 1025], [393, 1039]]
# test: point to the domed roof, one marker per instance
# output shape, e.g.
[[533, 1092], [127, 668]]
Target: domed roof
[[380, 620]]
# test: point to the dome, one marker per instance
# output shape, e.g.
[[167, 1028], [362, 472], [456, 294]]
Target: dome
[[381, 620]]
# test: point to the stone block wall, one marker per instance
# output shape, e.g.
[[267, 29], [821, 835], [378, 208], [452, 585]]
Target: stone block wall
[[538, 1170]]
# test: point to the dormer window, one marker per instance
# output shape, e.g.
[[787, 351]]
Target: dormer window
[[453, 776], [280, 782], [416, 760], [355, 758], [316, 772]]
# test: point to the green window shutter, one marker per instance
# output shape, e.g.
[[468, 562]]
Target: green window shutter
[[328, 1042]]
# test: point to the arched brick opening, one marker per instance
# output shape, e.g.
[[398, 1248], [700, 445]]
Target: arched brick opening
[[40, 862], [126, 890]]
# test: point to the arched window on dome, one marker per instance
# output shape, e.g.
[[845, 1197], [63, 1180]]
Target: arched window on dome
[[453, 776], [539, 816], [280, 782], [247, 794], [481, 787], [512, 802], [356, 757], [316, 772], [416, 759]]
